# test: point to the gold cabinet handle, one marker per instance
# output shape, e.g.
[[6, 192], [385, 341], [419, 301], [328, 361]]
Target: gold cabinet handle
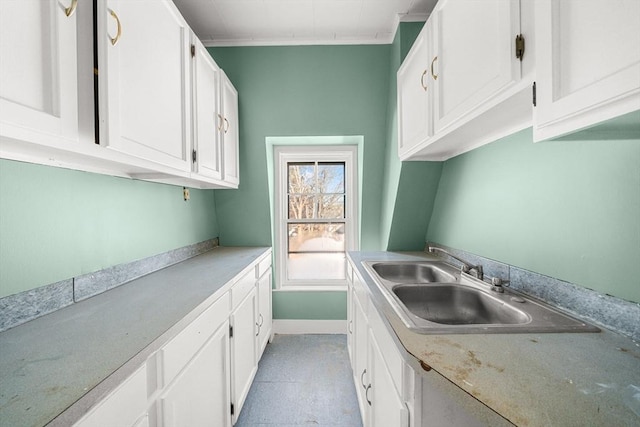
[[222, 119], [115, 39], [435, 76], [69, 10], [226, 128], [424, 86]]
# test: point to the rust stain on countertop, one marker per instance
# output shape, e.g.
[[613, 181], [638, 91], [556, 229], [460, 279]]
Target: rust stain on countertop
[[461, 369]]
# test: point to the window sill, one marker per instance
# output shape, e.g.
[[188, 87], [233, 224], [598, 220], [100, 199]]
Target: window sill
[[311, 288]]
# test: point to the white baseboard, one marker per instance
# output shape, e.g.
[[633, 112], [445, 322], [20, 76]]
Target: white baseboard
[[303, 326]]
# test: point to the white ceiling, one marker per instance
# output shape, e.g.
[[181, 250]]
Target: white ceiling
[[299, 22]]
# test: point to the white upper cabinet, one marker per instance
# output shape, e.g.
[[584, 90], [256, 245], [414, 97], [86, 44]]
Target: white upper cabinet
[[38, 71], [474, 56], [163, 113], [208, 120], [144, 90], [415, 90], [588, 63], [230, 132], [476, 86], [215, 122]]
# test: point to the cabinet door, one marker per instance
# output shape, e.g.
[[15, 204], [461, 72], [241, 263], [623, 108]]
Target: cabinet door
[[415, 87], [264, 320], [587, 63], [200, 395], [143, 49], [386, 406], [208, 120], [38, 71], [230, 132], [350, 331], [243, 350], [125, 406], [361, 373], [475, 55]]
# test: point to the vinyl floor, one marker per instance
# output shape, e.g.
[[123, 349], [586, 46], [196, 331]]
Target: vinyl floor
[[303, 380]]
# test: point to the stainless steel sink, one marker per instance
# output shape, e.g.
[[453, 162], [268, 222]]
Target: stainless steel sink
[[432, 297], [454, 304], [411, 272]]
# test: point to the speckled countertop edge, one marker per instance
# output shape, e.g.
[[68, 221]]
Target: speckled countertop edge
[[538, 379], [59, 365]]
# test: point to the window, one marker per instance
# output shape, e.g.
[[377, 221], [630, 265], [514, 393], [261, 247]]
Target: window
[[315, 215]]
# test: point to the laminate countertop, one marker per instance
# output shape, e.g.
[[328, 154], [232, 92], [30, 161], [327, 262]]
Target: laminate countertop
[[59, 365], [531, 379]]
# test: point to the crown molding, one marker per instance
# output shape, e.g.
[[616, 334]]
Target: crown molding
[[380, 38], [386, 38]]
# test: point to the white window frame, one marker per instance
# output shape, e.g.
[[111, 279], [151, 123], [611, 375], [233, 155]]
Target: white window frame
[[326, 153]]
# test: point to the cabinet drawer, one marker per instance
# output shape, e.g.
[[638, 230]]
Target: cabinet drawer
[[177, 353], [242, 288], [263, 266], [123, 407]]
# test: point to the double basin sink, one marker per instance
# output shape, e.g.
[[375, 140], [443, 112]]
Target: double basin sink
[[432, 297]]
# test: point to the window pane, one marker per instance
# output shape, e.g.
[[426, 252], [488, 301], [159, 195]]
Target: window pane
[[301, 178], [301, 207], [316, 237], [331, 177], [316, 266], [331, 206]]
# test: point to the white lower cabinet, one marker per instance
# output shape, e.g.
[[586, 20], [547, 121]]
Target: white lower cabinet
[[360, 371], [201, 377], [386, 406], [350, 335], [200, 395], [243, 350], [194, 375], [392, 390], [381, 390], [264, 310], [125, 406]]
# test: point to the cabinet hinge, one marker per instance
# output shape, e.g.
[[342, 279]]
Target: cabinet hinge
[[519, 47], [230, 331], [194, 156], [193, 50], [534, 94], [232, 409]]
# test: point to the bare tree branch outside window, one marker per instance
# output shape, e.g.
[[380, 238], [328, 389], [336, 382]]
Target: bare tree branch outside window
[[316, 205]]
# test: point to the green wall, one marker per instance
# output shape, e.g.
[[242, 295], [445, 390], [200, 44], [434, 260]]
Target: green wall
[[566, 209], [303, 91], [298, 305], [414, 203], [56, 223], [409, 187]]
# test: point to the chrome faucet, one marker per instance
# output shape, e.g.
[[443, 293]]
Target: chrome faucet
[[497, 284], [473, 270]]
